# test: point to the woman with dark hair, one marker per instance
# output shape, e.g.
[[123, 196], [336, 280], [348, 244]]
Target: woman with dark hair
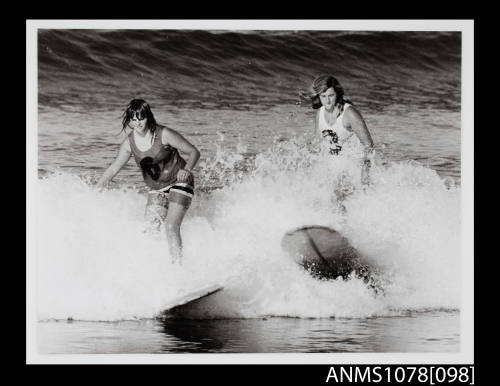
[[165, 172], [337, 120]]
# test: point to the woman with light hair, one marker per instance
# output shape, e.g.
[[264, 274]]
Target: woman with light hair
[[337, 120]]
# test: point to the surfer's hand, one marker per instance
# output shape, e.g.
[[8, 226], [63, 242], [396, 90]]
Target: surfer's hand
[[99, 186], [183, 175], [365, 177]]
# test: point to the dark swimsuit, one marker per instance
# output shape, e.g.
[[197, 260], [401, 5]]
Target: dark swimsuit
[[160, 165]]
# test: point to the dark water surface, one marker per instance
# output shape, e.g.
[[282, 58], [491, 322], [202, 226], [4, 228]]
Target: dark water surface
[[422, 332]]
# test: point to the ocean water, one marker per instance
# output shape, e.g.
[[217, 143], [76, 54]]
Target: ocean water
[[236, 96]]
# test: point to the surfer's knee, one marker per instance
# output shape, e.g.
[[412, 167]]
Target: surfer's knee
[[173, 225], [172, 228]]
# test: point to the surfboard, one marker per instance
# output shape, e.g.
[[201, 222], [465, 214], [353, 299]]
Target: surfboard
[[191, 297], [322, 251]]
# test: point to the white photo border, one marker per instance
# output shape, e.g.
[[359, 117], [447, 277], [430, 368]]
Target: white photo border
[[466, 352]]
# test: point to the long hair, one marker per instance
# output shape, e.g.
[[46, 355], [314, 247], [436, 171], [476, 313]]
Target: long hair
[[139, 108], [323, 83]]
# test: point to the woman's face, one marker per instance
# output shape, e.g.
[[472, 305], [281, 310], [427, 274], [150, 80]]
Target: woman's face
[[328, 98], [136, 123]]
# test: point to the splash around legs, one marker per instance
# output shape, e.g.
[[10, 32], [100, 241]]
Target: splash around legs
[[156, 211], [173, 222], [169, 209]]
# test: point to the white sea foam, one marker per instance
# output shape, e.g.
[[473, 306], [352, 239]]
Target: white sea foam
[[95, 263]]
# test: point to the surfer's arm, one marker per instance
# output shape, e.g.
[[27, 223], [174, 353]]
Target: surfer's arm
[[357, 124], [174, 139], [120, 160], [354, 121]]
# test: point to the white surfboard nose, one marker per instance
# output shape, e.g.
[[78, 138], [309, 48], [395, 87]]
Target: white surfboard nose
[[192, 296]]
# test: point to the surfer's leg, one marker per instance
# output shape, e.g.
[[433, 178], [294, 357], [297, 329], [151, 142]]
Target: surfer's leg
[[173, 222], [343, 189], [156, 210], [180, 198]]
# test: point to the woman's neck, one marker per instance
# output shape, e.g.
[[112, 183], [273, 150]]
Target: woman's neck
[[335, 111], [144, 134]]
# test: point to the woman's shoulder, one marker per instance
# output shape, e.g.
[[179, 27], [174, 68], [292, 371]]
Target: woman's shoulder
[[160, 128], [125, 145], [351, 111], [348, 106], [165, 132], [351, 116], [164, 129]]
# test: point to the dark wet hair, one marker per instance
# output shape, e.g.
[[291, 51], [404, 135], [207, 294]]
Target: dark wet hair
[[321, 84], [139, 108]]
